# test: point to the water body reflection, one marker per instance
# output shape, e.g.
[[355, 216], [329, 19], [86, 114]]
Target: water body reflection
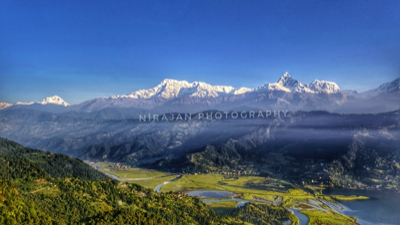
[[381, 209]]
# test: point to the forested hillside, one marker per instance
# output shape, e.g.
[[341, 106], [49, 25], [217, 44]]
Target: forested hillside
[[55, 165], [45, 188], [38, 187]]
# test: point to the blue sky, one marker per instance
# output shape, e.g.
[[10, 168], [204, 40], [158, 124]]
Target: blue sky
[[81, 50]]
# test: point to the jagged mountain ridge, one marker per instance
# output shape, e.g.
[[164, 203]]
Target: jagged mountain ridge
[[170, 88], [316, 86], [286, 94], [4, 105], [54, 100]]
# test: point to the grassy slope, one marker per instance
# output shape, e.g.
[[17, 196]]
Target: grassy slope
[[137, 173], [156, 177], [130, 173], [320, 217]]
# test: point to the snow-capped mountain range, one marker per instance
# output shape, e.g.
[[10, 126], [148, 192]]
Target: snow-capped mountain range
[[286, 93], [169, 89], [56, 100]]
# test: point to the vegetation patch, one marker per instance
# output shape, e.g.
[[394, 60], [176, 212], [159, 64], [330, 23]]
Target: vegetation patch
[[318, 217], [350, 198], [223, 207], [304, 206]]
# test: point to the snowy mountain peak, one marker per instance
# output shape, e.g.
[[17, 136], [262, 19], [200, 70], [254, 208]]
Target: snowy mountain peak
[[288, 84], [165, 81], [54, 100], [285, 78], [174, 82], [293, 85], [390, 86], [383, 89], [24, 103], [321, 86], [4, 105]]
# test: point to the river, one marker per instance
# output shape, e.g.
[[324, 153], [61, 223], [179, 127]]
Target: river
[[112, 176], [158, 188], [210, 194], [303, 219]]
